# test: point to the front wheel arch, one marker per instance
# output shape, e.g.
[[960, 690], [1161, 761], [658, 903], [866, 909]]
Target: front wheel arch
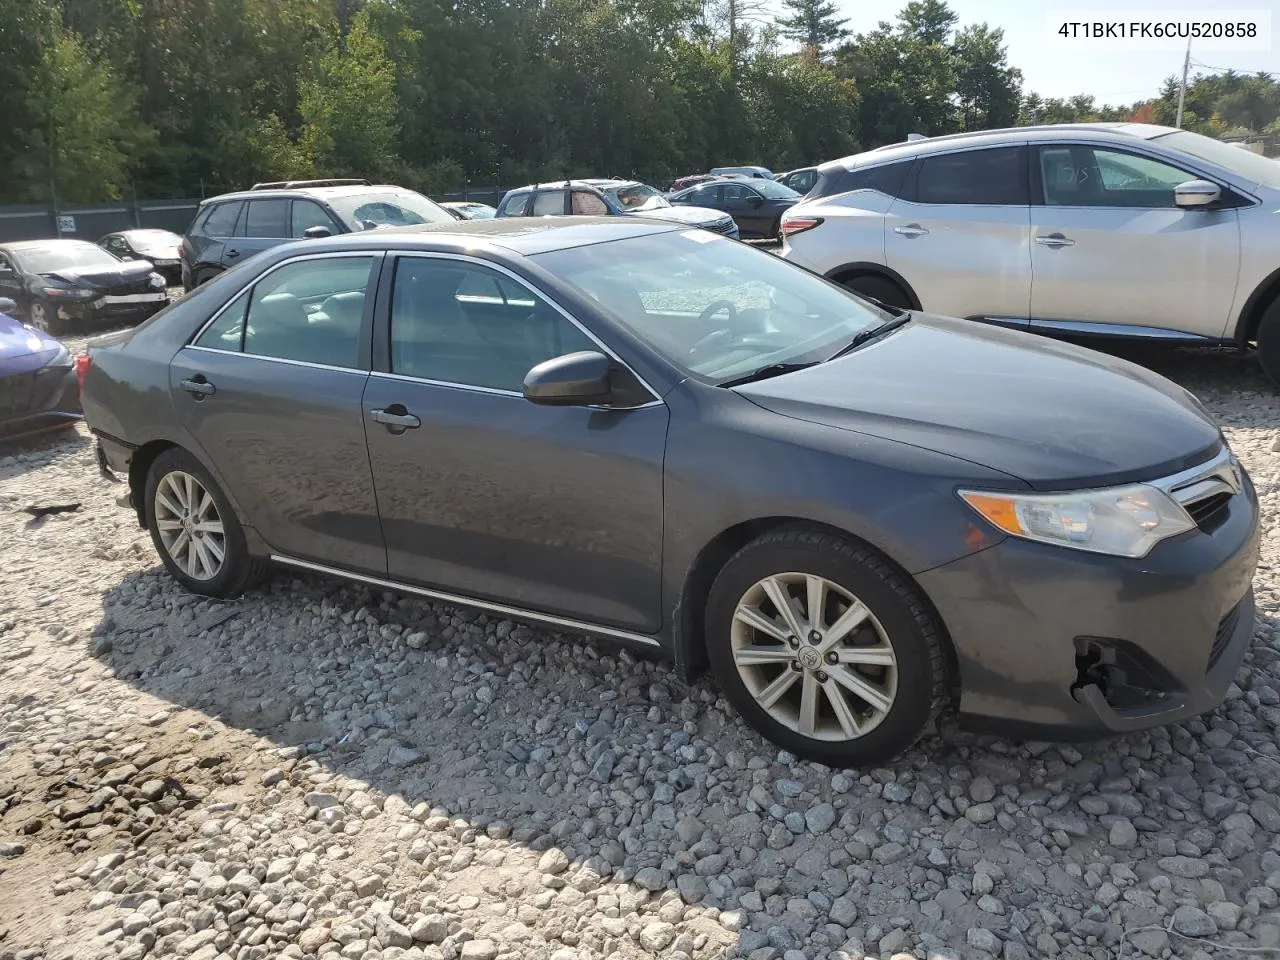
[[689, 646]]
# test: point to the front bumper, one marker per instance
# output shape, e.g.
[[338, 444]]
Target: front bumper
[[48, 400], [1053, 643], [108, 307]]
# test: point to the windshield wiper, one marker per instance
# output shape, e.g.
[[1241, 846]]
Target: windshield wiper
[[767, 371], [870, 334]]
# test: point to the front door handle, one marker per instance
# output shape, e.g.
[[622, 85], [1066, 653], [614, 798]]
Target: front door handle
[[396, 418], [1055, 240], [911, 230], [199, 387]]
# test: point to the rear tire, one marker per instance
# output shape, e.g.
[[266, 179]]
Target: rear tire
[[868, 690], [1268, 338], [195, 530], [880, 288], [44, 317]]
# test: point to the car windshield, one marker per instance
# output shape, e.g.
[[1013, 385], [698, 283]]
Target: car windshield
[[638, 196], [1244, 163], [398, 208], [715, 308], [774, 190], [61, 256]]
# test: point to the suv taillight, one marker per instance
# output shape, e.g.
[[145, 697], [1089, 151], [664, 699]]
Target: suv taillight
[[793, 225], [82, 367]]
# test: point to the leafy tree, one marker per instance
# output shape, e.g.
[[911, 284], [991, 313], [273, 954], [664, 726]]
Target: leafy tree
[[348, 105], [929, 21], [813, 24], [84, 126], [987, 88]]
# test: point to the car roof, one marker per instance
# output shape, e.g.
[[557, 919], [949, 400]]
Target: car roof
[[1115, 132], [597, 182], [322, 193], [524, 236]]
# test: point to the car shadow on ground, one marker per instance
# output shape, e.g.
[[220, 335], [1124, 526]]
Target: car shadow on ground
[[651, 783]]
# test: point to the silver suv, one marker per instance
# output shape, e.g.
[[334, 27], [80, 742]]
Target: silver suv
[[1118, 230]]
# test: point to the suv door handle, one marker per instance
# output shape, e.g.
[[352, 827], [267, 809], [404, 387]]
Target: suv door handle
[[396, 418], [1055, 240], [199, 387], [911, 230]]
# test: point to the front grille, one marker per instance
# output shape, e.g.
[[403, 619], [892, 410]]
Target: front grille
[[1205, 491], [18, 393], [1226, 627]]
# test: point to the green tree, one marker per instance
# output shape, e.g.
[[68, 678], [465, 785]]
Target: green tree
[[929, 21], [813, 24], [987, 88], [84, 126], [348, 105]]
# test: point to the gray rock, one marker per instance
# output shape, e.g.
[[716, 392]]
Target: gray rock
[[553, 861], [790, 788], [1123, 835], [1194, 922], [654, 937], [980, 938], [982, 790], [980, 813], [843, 912], [1185, 867], [651, 879], [896, 793], [479, 950], [821, 818], [432, 928], [392, 934]]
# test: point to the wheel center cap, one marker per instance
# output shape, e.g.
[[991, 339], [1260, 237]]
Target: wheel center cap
[[809, 658]]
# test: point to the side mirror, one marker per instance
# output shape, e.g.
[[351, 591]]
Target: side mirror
[[574, 379], [316, 232], [1196, 193], [756, 200], [7, 305]]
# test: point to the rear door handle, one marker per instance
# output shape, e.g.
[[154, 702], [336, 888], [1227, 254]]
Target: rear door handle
[[199, 387], [1055, 240], [911, 230], [396, 418]]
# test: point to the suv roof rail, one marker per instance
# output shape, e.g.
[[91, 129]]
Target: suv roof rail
[[294, 184]]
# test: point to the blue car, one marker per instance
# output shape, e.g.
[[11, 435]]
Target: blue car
[[39, 379]]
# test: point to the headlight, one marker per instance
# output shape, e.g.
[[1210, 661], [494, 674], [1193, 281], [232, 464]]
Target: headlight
[[1121, 521], [157, 281], [69, 293]]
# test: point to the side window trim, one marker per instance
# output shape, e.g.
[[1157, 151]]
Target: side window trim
[[381, 366], [366, 321], [1038, 198]]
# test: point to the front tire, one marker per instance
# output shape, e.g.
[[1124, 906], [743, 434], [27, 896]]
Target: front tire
[[825, 648], [195, 529], [1269, 341], [44, 317]]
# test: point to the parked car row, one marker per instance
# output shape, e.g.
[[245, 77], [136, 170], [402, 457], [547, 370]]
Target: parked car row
[[608, 198]]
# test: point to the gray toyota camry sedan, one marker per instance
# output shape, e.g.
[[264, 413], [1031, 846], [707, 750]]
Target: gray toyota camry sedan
[[859, 518]]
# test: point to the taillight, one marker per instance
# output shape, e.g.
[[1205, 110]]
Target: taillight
[[793, 225], [82, 368]]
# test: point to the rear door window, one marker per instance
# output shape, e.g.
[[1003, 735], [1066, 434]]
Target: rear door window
[[996, 177], [548, 203], [588, 204], [267, 219], [221, 220]]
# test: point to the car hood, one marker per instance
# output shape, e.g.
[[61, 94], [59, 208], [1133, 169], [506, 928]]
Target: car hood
[[125, 272], [18, 341], [1054, 415], [694, 215], [161, 253]]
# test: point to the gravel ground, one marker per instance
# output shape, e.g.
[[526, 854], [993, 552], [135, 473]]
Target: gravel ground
[[322, 769]]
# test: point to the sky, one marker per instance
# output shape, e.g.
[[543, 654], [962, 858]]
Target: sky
[[1055, 67]]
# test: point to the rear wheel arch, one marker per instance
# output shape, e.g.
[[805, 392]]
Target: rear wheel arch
[[689, 648], [1263, 296], [139, 466], [852, 271]]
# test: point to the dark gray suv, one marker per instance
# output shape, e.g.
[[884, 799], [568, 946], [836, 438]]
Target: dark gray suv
[[230, 228], [860, 517]]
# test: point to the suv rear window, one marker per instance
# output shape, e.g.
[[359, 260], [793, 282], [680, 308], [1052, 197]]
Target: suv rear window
[[887, 178], [220, 221]]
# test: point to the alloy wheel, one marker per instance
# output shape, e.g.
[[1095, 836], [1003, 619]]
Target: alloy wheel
[[814, 657], [39, 317], [190, 526]]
